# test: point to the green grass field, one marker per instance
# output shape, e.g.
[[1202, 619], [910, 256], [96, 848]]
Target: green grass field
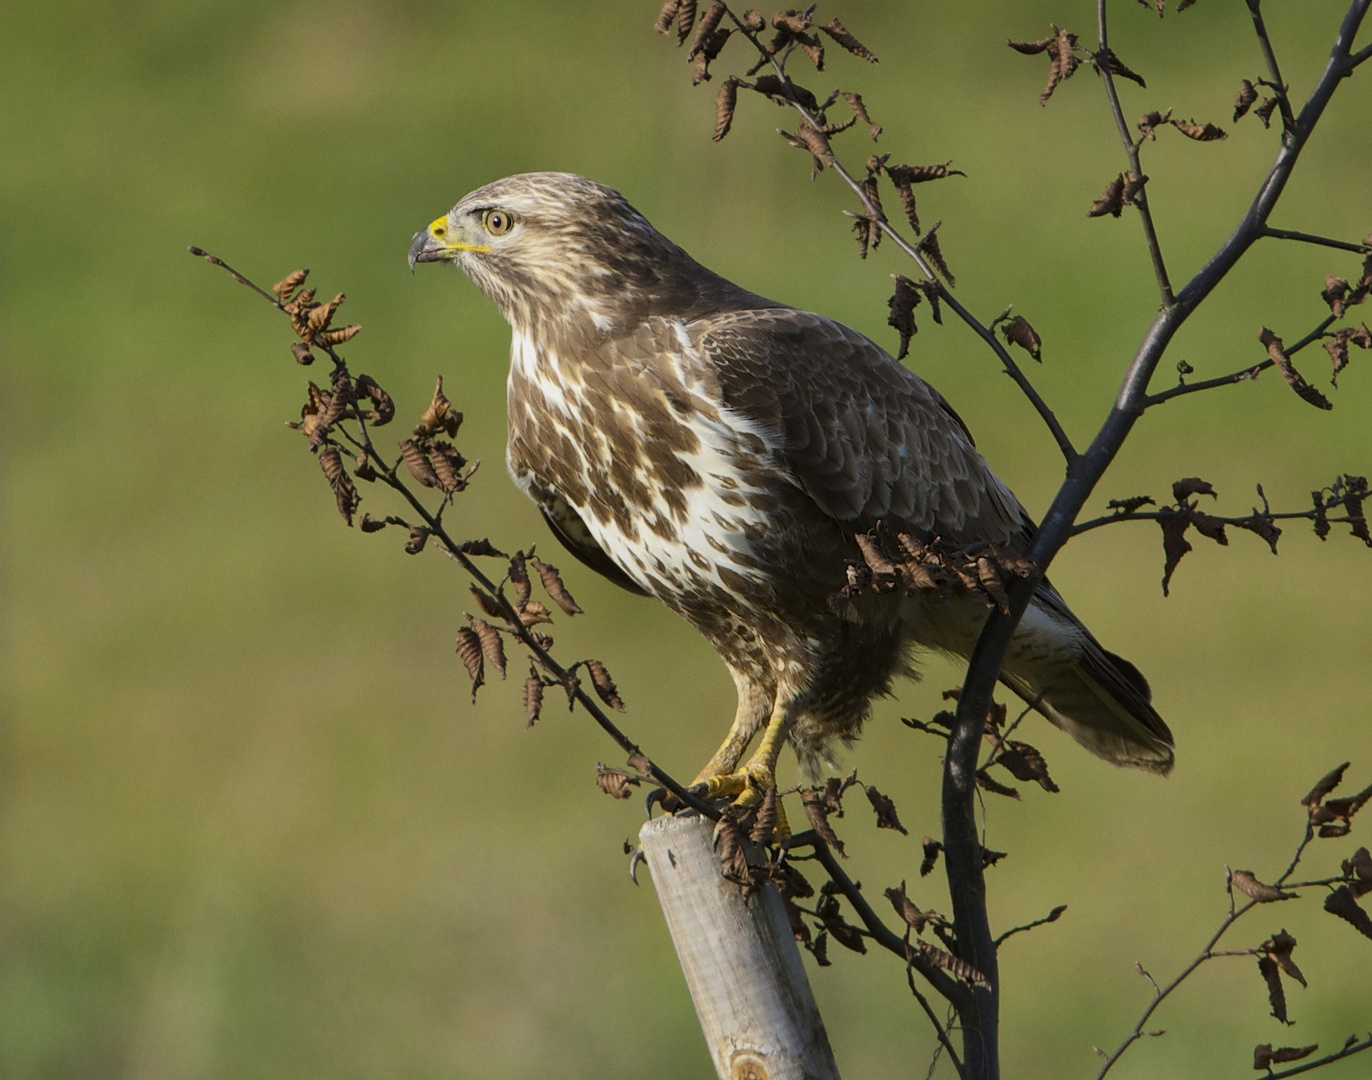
[[250, 824]]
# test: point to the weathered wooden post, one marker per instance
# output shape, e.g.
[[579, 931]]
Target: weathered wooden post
[[740, 960]]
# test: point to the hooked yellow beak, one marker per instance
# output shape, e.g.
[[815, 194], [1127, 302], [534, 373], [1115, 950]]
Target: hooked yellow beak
[[433, 245]]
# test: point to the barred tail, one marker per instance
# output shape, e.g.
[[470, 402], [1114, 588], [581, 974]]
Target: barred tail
[[1098, 698]]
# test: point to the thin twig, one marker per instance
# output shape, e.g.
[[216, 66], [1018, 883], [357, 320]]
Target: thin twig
[[1052, 916], [875, 214], [453, 549], [1131, 151], [1288, 119], [949, 988], [1245, 375], [1311, 238], [1337, 1055]]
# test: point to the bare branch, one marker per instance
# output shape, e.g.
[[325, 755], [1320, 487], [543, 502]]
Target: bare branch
[[1348, 1050], [1311, 238], [876, 215], [1101, 60], [1278, 86]]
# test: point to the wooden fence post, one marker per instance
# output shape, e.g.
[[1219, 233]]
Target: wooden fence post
[[740, 960]]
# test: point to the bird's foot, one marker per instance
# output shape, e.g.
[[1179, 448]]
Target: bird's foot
[[746, 786]]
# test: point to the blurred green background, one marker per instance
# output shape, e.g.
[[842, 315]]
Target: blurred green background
[[250, 824]]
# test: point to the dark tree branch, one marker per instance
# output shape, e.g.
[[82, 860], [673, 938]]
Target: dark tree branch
[[1131, 149], [1052, 916], [1311, 238], [962, 860]]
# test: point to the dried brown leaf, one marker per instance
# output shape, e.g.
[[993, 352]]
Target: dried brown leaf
[[1133, 184], [488, 603], [1264, 1057], [931, 849], [840, 34], [533, 697], [1148, 123], [1174, 543], [725, 102], [519, 578], [419, 536], [440, 417], [987, 782], [1341, 903], [1335, 294], [1018, 332], [930, 247], [909, 913], [1247, 95], [604, 685], [1294, 379], [418, 463], [817, 810], [345, 494], [614, 782], [290, 283], [1279, 947], [666, 16], [885, 809], [469, 652], [302, 354], [492, 647], [855, 103], [903, 303], [706, 28], [1264, 111], [1065, 62], [369, 524], [1031, 48], [1200, 132], [728, 838], [765, 820], [383, 410], [685, 19], [1118, 67], [534, 613], [1026, 763], [552, 585], [1276, 994], [961, 968], [1184, 489], [1323, 786], [1251, 887], [1111, 200]]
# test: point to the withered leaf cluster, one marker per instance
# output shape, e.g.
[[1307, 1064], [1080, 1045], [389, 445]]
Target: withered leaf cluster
[[932, 567], [1150, 122], [1018, 332], [1276, 352], [1185, 513], [1348, 492], [1062, 59], [1274, 960], [820, 802], [1264, 1057], [433, 461], [903, 302], [1123, 189], [310, 319], [1247, 95]]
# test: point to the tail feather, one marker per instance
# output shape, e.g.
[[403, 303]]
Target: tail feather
[[1098, 698]]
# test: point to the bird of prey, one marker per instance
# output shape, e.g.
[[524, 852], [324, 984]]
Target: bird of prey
[[695, 442]]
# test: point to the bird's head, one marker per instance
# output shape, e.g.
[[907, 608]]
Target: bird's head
[[554, 246]]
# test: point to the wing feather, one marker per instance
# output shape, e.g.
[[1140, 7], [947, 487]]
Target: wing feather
[[865, 438]]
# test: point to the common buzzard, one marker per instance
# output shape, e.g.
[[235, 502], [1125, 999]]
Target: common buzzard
[[693, 441]]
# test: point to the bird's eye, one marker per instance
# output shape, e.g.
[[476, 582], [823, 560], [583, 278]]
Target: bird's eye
[[497, 222]]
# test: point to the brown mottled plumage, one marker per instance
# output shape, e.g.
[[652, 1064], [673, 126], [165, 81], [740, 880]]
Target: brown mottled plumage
[[695, 442]]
